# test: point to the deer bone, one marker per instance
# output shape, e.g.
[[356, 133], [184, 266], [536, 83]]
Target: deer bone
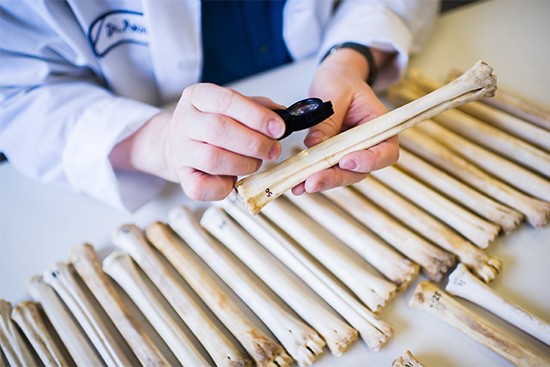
[[463, 284], [259, 189], [12, 343], [430, 298], [406, 360]]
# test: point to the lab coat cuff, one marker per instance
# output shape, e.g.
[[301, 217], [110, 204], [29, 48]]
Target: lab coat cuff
[[86, 155]]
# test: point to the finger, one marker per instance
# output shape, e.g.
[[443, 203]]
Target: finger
[[217, 161], [323, 131], [372, 159], [200, 186], [215, 99], [331, 178], [226, 133], [268, 103], [299, 189]]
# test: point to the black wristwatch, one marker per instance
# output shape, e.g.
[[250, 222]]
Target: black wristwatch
[[365, 51]]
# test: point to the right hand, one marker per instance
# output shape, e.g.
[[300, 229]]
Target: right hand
[[216, 134]]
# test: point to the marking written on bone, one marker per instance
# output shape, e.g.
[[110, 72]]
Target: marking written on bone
[[435, 299], [268, 193]]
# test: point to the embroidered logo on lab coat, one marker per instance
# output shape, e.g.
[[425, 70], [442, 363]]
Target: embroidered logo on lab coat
[[115, 28]]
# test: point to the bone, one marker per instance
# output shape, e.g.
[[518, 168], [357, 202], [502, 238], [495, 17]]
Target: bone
[[224, 353], [78, 346], [61, 278], [477, 230], [369, 286], [406, 360], [264, 350], [434, 261], [483, 134], [486, 207], [340, 224], [259, 189], [530, 183], [87, 265], [29, 318], [463, 284], [119, 266], [536, 211], [12, 343], [500, 119], [373, 331], [430, 298], [337, 334], [485, 266], [301, 341]]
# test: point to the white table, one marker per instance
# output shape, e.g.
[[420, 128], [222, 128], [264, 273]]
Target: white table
[[38, 224]]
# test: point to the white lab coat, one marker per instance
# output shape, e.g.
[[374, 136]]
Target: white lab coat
[[79, 76]]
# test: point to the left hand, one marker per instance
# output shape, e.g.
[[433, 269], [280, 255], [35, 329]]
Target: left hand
[[341, 79]]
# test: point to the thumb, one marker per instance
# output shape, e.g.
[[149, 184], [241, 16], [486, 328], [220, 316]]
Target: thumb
[[323, 130]]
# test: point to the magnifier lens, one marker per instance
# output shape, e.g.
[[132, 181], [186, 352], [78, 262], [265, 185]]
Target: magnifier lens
[[305, 107]]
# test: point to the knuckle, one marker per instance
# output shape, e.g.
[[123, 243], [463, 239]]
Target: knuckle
[[257, 148], [224, 99], [211, 159]]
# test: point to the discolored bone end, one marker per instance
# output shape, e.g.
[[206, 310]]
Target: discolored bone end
[[481, 76]]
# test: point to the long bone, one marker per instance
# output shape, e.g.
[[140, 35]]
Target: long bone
[[259, 189], [430, 298], [434, 261], [87, 265], [406, 360], [486, 207], [61, 278], [337, 334], [484, 265], [29, 318], [498, 118], [369, 286], [78, 346], [119, 266], [343, 226], [12, 343], [477, 230], [224, 353], [530, 182], [536, 211], [463, 284], [301, 341], [482, 133], [264, 350], [373, 331]]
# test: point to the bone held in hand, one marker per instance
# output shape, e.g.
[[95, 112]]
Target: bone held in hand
[[430, 298], [463, 284], [259, 189]]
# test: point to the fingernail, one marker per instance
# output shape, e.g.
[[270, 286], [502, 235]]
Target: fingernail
[[349, 164], [274, 151], [276, 128], [316, 137]]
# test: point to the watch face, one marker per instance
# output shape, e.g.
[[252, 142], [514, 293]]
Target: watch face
[[303, 107]]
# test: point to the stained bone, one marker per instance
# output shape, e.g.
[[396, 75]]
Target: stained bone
[[484, 265], [373, 331], [61, 278], [86, 263], [71, 335], [536, 211], [430, 298], [463, 284], [29, 318], [12, 343], [486, 207], [337, 334], [259, 189], [264, 350], [343, 226], [122, 269], [434, 261], [407, 360], [302, 342], [369, 286], [221, 349]]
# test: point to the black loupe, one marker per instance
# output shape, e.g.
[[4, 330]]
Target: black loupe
[[304, 114]]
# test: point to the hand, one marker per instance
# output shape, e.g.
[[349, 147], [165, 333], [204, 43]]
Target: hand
[[341, 79], [214, 135]]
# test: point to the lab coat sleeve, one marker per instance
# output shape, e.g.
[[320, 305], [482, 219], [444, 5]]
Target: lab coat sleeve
[[400, 26], [58, 121]]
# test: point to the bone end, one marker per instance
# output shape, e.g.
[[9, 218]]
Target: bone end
[[269, 353], [407, 360], [252, 203], [481, 74]]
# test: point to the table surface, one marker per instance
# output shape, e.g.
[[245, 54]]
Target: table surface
[[38, 224]]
